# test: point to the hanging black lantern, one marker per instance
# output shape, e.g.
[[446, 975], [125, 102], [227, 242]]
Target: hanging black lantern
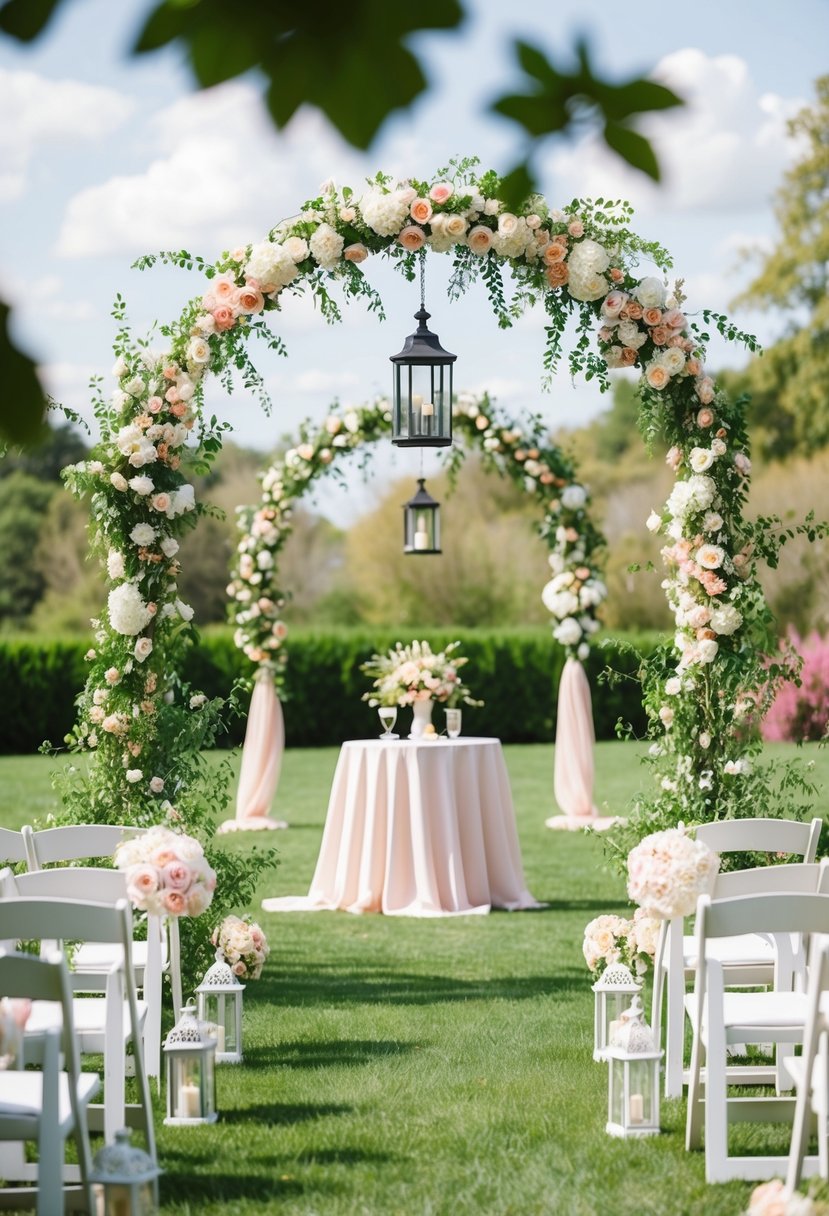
[[422, 397], [421, 522]]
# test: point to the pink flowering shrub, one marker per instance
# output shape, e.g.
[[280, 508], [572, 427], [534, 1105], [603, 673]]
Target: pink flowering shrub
[[800, 714]]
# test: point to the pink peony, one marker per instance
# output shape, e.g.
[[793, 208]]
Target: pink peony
[[176, 876], [174, 902]]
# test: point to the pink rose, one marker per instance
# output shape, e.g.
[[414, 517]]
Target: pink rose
[[223, 317], [176, 876], [142, 880], [172, 394], [705, 418], [576, 228], [441, 191], [355, 253], [412, 238], [674, 458], [112, 675], [674, 319], [742, 463], [224, 288], [154, 404], [239, 969], [705, 390], [421, 210]]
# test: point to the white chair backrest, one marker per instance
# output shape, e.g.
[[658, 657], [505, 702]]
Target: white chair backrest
[[778, 912], [762, 836], [42, 979], [12, 845], [804, 876], [74, 842], [88, 883]]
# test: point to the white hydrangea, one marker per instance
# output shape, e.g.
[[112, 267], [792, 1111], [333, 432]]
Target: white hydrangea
[[726, 620], [587, 260], [560, 603], [128, 613], [143, 534], [568, 632], [271, 266], [385, 213], [115, 564], [326, 246], [693, 494]]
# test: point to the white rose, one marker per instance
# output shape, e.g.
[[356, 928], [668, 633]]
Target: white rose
[[701, 459], [630, 334], [726, 620], [119, 367], [198, 351], [184, 610], [654, 522], [271, 266], [143, 649], [296, 248], [712, 522], [143, 534], [141, 485], [650, 293], [115, 564], [573, 497], [568, 632], [134, 775], [707, 650], [183, 499], [673, 686], [169, 547]]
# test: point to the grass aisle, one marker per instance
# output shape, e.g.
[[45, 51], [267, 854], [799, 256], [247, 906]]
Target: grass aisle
[[425, 1067]]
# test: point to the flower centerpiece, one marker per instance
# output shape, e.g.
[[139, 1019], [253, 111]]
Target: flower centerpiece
[[243, 946], [614, 939], [167, 873], [668, 871], [414, 675]]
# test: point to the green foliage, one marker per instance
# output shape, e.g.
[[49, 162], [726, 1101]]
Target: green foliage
[[24, 399], [23, 503], [516, 671]]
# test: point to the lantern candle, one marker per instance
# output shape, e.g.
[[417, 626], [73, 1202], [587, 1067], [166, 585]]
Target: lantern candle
[[428, 409], [421, 536], [637, 1108], [189, 1102]]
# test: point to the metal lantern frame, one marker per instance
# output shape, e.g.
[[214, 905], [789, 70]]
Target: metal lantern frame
[[422, 390], [633, 1092], [190, 1068], [613, 993], [421, 522], [220, 1006], [128, 1178]]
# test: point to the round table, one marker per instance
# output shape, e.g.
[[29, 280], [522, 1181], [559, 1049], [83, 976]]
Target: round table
[[418, 828]]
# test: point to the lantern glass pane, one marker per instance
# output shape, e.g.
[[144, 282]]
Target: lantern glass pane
[[617, 1092], [185, 1085], [640, 1095], [208, 1091]]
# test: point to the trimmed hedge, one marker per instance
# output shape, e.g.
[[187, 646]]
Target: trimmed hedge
[[516, 672]]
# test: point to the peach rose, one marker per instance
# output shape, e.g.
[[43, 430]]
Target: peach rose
[[656, 376], [160, 502], [554, 252], [479, 239], [705, 390], [223, 288], [154, 405], [412, 237], [629, 356], [249, 299], [174, 902], [421, 210], [705, 418], [178, 409], [659, 333], [441, 191], [652, 316], [172, 394], [355, 253], [557, 274], [634, 310], [575, 228], [674, 319], [616, 274]]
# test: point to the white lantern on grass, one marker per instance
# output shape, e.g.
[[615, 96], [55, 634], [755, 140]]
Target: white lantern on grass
[[128, 1178], [633, 1077], [220, 1007], [190, 1055], [613, 992]]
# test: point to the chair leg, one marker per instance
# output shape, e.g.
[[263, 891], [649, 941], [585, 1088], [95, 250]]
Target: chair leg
[[675, 1012], [716, 1082], [693, 1121]]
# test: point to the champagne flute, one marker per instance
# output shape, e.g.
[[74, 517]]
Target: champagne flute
[[388, 716], [453, 723]]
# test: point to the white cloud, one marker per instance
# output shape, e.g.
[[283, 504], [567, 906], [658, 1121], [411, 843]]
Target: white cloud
[[221, 177], [317, 381], [725, 150], [50, 111]]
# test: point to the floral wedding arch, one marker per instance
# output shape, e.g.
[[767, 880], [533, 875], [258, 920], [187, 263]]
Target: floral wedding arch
[[580, 263]]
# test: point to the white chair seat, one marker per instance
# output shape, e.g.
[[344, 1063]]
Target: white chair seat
[[21, 1095], [89, 1014], [749, 951], [747, 1013]]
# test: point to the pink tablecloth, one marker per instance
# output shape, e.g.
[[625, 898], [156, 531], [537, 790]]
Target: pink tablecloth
[[418, 829]]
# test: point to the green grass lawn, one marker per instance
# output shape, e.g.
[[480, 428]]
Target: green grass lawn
[[425, 1067]]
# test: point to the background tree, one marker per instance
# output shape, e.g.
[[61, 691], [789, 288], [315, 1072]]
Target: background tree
[[322, 55], [790, 405], [23, 503]]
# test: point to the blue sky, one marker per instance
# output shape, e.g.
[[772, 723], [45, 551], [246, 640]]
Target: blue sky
[[103, 157]]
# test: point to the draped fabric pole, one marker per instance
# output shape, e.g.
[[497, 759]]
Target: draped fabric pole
[[261, 760], [575, 738]]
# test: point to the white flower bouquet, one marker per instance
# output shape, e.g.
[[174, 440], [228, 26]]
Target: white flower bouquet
[[415, 673], [243, 946], [668, 871], [167, 873], [614, 939]]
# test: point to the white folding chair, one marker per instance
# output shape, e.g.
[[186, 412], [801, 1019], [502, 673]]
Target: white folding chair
[[720, 1016], [750, 961], [83, 842], [91, 961], [12, 847], [49, 1105], [103, 1024], [811, 1073]]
